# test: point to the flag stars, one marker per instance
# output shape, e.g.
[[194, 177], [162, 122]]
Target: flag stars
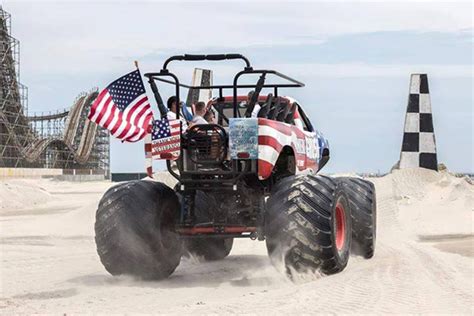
[[126, 89]]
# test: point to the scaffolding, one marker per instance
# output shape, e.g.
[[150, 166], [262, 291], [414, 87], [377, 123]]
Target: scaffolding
[[62, 139]]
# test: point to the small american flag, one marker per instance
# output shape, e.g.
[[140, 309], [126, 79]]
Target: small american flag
[[123, 108], [166, 139]]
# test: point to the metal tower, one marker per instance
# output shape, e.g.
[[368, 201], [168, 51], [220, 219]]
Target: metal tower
[[15, 133], [64, 139]]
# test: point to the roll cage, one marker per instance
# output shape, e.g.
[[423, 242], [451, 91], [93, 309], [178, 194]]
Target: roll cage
[[248, 70], [166, 76]]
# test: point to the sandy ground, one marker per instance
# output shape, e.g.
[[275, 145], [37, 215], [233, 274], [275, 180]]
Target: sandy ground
[[423, 261]]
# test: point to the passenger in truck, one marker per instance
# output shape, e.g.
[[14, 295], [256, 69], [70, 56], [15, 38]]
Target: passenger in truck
[[210, 117], [200, 111]]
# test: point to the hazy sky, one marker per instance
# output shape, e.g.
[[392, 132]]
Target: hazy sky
[[355, 58]]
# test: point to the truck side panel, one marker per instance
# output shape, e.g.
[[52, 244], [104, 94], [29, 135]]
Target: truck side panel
[[273, 136]]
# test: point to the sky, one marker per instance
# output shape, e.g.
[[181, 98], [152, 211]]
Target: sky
[[355, 58]]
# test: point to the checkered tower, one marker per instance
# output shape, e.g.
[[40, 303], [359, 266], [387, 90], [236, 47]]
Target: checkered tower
[[201, 77], [419, 146]]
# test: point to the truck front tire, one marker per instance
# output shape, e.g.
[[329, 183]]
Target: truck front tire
[[207, 248], [363, 205]]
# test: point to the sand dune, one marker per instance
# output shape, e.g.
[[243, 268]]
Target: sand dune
[[423, 261]]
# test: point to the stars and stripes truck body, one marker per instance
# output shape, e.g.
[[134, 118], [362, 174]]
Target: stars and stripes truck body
[[250, 173]]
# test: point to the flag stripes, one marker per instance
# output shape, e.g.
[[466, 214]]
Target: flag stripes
[[123, 108], [166, 138]]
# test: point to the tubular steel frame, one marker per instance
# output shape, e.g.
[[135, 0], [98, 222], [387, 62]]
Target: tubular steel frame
[[248, 69]]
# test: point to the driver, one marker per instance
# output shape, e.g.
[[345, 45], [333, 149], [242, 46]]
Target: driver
[[249, 97], [246, 103]]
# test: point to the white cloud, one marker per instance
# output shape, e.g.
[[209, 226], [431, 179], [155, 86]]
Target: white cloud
[[351, 70], [69, 46], [85, 37]]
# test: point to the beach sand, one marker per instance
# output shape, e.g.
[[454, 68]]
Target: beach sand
[[423, 261]]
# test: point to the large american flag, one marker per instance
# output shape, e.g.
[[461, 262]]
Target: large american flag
[[123, 108], [166, 139]]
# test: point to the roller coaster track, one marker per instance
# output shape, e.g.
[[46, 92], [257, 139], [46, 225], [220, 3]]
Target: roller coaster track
[[48, 117], [60, 140], [79, 133], [72, 121]]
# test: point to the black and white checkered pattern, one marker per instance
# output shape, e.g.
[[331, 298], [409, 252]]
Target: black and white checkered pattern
[[201, 77], [419, 146]]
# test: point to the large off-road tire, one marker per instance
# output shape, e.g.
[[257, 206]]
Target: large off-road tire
[[363, 206], [308, 225], [210, 248], [135, 230]]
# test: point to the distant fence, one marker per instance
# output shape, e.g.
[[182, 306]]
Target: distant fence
[[84, 171], [119, 177], [80, 177], [29, 172], [51, 173]]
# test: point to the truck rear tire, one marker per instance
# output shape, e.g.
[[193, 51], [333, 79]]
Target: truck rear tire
[[135, 230], [363, 206], [308, 225]]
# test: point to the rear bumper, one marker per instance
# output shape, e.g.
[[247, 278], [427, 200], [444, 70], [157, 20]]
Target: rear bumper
[[218, 231]]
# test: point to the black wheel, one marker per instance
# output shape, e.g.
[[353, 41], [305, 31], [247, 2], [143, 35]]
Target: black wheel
[[363, 206], [308, 225], [135, 230], [207, 249]]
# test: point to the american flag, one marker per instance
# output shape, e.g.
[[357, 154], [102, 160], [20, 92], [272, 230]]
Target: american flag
[[166, 139], [123, 108]]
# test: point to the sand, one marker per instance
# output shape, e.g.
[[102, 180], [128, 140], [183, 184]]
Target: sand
[[423, 261]]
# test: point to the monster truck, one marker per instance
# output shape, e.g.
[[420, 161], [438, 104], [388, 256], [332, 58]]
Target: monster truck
[[253, 174]]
